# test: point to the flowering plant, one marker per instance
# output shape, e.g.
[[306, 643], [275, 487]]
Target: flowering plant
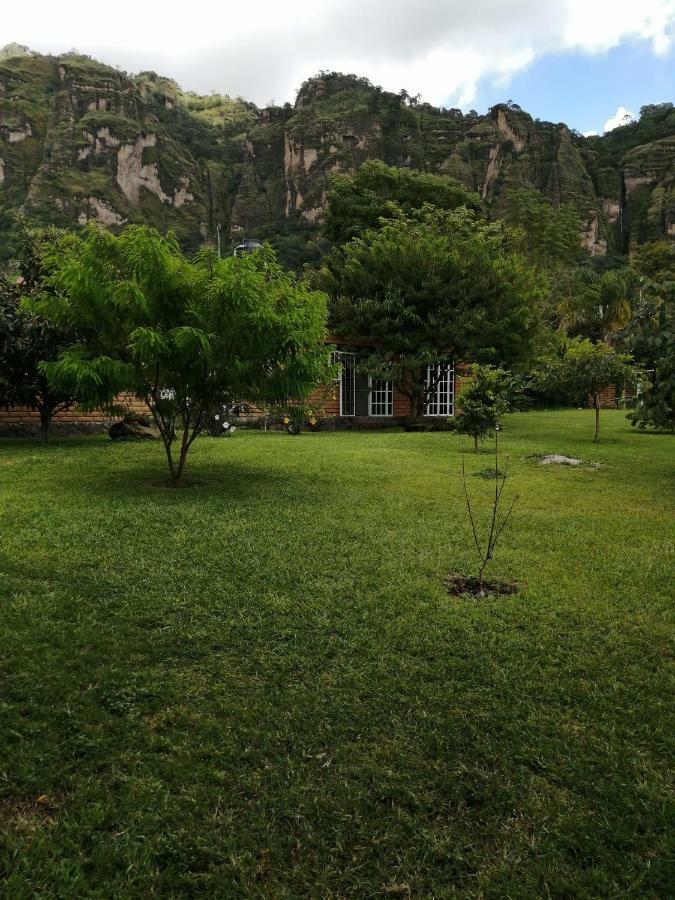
[[293, 417], [220, 422]]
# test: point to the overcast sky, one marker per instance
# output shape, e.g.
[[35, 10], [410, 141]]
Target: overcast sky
[[452, 52]]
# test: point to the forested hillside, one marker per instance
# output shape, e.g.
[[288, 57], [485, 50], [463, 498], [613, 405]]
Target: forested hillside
[[80, 140]]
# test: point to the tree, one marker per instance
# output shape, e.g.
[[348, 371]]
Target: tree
[[429, 290], [482, 402], [594, 304], [27, 339], [655, 261], [551, 237], [651, 337], [356, 203], [590, 368], [185, 336], [497, 520]]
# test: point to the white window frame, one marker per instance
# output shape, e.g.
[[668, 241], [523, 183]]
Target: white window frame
[[341, 356], [376, 388], [441, 403]]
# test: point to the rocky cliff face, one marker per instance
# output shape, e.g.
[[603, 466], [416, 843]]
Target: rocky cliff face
[[81, 141]]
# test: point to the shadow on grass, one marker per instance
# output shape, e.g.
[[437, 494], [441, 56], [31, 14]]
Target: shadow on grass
[[228, 481]]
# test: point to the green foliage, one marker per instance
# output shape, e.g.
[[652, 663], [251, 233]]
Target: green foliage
[[27, 339], [550, 237], [358, 202], [429, 290], [183, 336], [656, 121], [588, 368], [597, 304], [239, 164], [655, 260], [483, 401], [293, 417], [651, 337]]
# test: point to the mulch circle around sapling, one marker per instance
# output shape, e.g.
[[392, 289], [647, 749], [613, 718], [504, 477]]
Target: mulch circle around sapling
[[469, 586]]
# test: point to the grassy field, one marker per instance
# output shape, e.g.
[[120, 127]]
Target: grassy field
[[257, 686]]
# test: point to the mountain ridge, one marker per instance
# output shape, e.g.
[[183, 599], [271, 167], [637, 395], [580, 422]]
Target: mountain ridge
[[80, 140]]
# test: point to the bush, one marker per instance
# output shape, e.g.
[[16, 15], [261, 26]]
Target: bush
[[482, 402]]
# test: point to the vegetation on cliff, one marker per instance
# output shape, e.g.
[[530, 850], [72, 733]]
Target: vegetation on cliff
[[80, 140]]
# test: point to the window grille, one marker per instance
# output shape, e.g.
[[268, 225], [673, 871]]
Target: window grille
[[381, 397], [347, 379], [441, 401]]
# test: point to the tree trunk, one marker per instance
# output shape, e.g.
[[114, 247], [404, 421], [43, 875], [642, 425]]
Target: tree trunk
[[45, 423], [417, 404], [596, 403], [475, 444], [178, 473], [412, 411]]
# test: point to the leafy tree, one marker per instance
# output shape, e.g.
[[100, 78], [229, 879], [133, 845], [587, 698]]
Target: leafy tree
[[184, 336], [599, 304], [482, 402], [655, 261], [356, 203], [27, 339], [589, 368], [429, 290], [651, 337], [551, 237], [650, 334]]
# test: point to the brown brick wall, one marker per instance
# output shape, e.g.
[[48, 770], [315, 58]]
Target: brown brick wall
[[610, 397], [17, 415]]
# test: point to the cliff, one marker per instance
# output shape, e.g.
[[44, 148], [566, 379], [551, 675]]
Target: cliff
[[80, 140]]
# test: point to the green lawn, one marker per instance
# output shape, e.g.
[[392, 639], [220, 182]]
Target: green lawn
[[257, 686]]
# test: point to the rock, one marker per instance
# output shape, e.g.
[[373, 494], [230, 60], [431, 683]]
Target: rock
[[133, 428], [556, 459]]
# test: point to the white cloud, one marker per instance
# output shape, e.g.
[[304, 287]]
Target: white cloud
[[590, 133], [621, 117], [438, 48]]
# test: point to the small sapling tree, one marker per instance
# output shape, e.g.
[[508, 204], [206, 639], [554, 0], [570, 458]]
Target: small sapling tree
[[482, 403], [497, 519], [185, 336], [589, 368]]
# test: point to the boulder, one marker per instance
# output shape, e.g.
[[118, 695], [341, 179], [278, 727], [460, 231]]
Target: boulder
[[556, 459], [133, 428]]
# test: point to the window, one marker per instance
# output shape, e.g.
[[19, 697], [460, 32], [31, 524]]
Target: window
[[441, 400], [347, 361], [359, 394], [381, 397]]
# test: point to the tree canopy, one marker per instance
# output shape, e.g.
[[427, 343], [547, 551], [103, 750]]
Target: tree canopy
[[483, 400], [359, 201], [432, 289], [589, 368], [185, 336], [27, 339]]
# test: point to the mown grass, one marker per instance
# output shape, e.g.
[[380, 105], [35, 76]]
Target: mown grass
[[257, 686]]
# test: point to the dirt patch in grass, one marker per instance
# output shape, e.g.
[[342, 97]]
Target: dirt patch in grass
[[28, 814], [488, 474], [469, 586]]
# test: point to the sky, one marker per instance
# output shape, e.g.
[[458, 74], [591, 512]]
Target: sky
[[585, 62]]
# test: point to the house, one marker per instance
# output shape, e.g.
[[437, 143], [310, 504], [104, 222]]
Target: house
[[359, 400], [353, 400]]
